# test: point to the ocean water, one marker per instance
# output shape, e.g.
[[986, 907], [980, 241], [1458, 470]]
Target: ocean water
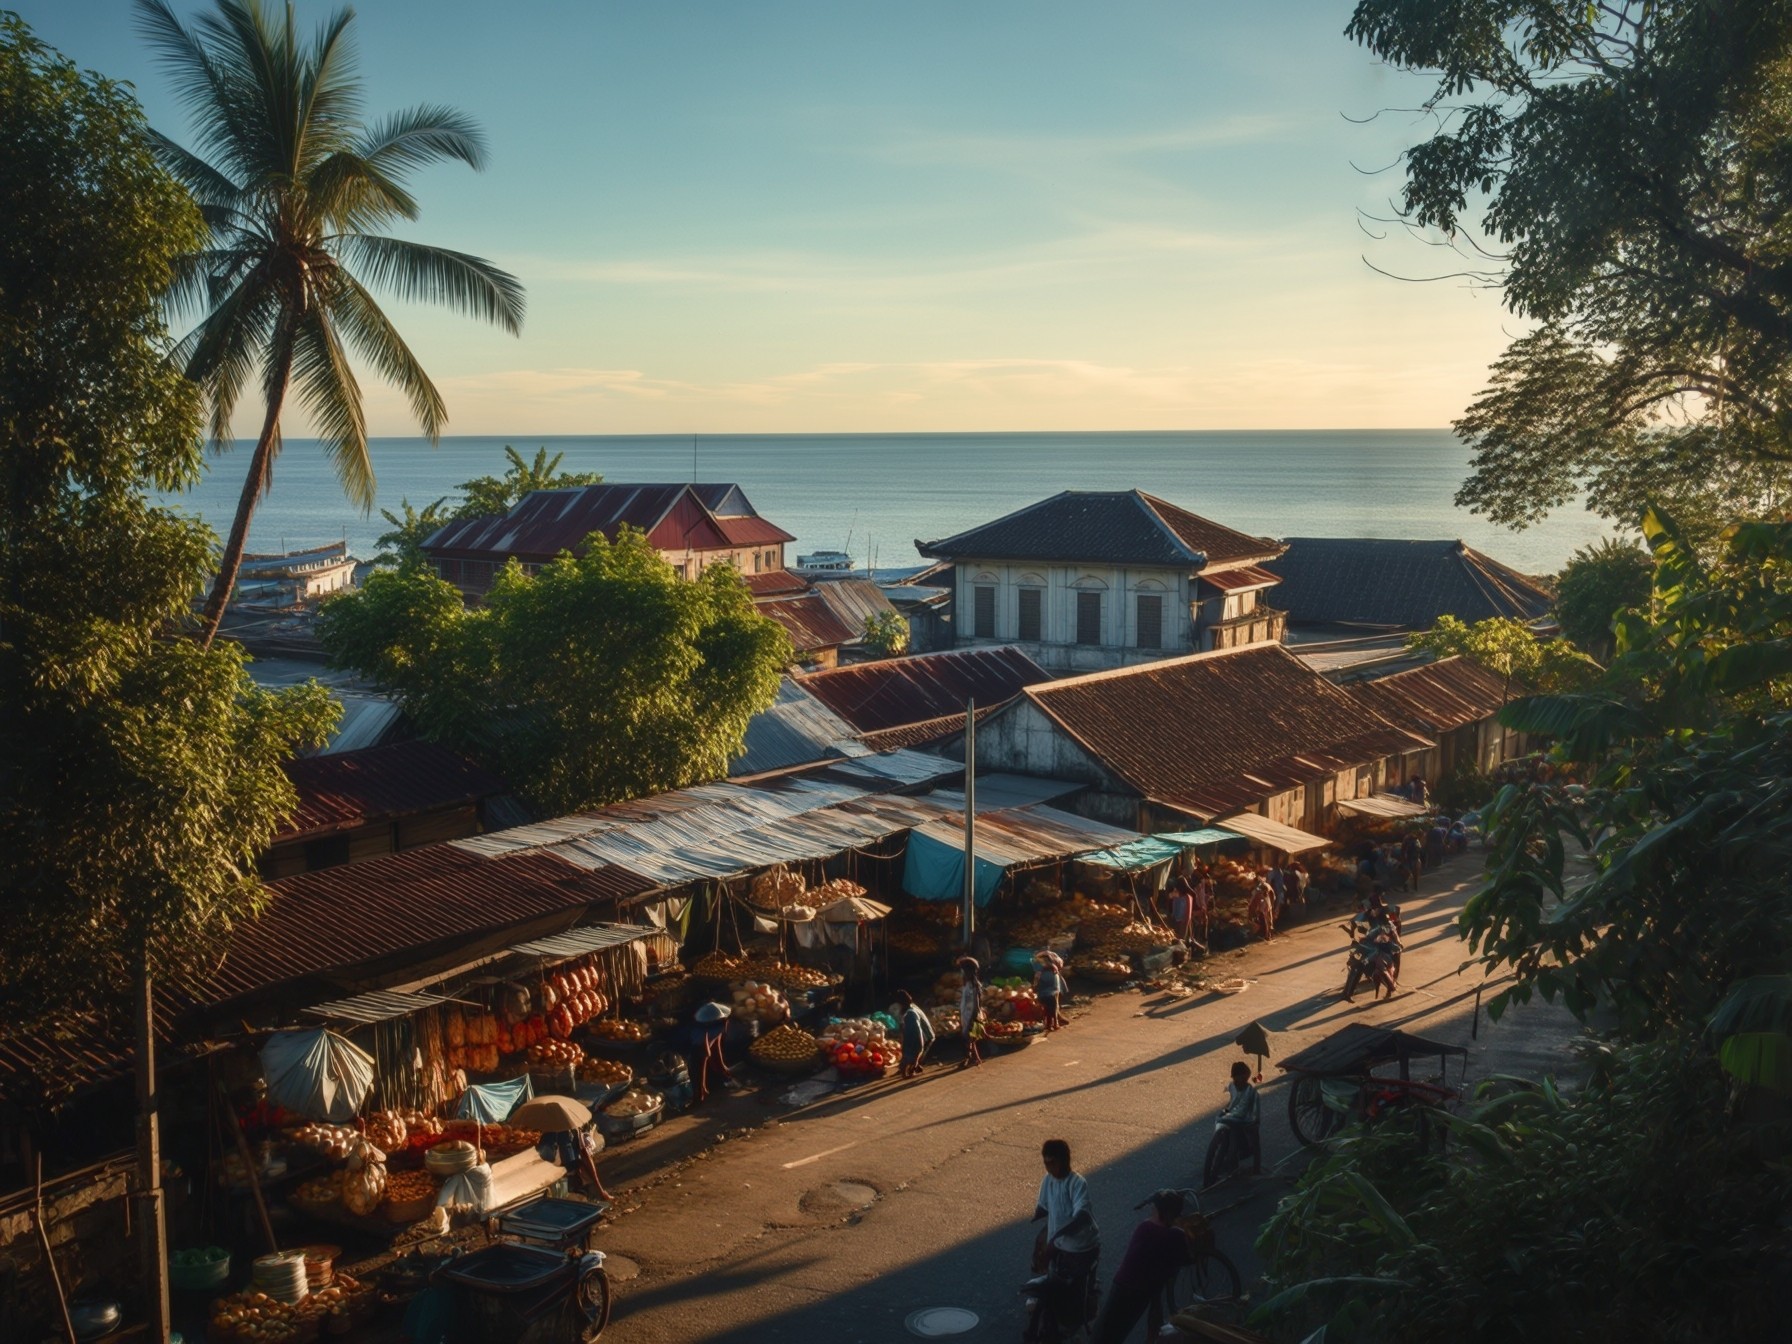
[[875, 494]]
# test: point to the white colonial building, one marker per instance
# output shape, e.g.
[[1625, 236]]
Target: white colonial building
[[1088, 580]]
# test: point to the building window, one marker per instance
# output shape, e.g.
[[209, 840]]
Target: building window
[[984, 611], [755, 562], [1151, 621], [330, 852], [1032, 607], [1088, 618]]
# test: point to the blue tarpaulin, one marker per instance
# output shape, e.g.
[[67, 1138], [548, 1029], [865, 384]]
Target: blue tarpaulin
[[1151, 850], [492, 1103], [934, 871]]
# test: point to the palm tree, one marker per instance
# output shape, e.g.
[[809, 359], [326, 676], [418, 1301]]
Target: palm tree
[[294, 187]]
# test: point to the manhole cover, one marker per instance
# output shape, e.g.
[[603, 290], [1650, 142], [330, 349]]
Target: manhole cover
[[938, 1322]]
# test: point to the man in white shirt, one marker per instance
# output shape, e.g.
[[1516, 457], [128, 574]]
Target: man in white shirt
[[1070, 1243]]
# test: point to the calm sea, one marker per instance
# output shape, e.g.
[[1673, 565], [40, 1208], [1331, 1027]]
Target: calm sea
[[874, 494]]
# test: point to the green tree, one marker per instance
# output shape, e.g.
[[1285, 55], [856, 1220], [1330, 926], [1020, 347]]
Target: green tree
[[295, 188], [485, 495], [410, 528], [1508, 649], [139, 771], [1596, 584], [1628, 169], [886, 634], [602, 677]]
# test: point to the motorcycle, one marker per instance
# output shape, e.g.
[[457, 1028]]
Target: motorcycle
[[1064, 1299], [1374, 953]]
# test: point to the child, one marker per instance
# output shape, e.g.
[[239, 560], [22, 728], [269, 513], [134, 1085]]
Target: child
[[1243, 1111]]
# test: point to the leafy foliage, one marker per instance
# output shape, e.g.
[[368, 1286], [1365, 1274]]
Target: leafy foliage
[[1596, 584], [295, 188], [139, 773], [886, 634], [485, 495], [602, 677], [410, 528], [1508, 649], [1629, 167]]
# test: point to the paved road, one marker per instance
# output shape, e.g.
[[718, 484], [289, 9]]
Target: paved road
[[837, 1222]]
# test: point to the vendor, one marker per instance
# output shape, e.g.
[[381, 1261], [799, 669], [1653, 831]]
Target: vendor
[[705, 1043], [1048, 984], [576, 1150]]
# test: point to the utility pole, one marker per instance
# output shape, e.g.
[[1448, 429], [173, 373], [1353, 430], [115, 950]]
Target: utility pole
[[152, 1227], [970, 822]]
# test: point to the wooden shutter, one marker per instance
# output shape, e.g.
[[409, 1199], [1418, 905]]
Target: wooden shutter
[[1088, 618], [985, 614], [1151, 621], [1032, 607]]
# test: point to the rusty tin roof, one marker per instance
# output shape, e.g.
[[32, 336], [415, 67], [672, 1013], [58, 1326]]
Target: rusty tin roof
[[1437, 697]]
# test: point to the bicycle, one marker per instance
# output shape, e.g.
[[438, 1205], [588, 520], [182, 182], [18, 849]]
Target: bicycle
[[1209, 1279]]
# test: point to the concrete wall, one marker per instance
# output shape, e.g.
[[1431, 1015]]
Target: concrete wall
[[1057, 649], [1023, 741]]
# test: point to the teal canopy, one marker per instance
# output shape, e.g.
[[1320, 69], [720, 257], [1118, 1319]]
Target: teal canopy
[[934, 871], [1150, 850]]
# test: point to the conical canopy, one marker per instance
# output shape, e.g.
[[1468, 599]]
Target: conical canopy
[[316, 1074]]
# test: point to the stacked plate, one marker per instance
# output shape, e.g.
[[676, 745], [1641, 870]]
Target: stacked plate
[[282, 1276]]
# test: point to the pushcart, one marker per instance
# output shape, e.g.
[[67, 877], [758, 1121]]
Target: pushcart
[[539, 1282], [1335, 1081]]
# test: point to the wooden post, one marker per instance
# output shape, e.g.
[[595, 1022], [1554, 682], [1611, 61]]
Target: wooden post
[[243, 1151], [43, 1237], [970, 823], [152, 1227]]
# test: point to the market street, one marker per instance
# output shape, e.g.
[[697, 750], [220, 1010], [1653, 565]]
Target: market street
[[838, 1222]]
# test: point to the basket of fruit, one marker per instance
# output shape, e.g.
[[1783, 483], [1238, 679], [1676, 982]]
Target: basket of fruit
[[1010, 1035], [1106, 970], [787, 1049], [635, 1110]]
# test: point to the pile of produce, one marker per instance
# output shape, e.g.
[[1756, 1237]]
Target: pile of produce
[[778, 888], [365, 1183], [333, 1141], [716, 966], [549, 1055], [756, 1001], [1134, 937], [945, 989], [615, 1029], [944, 914], [402, 1187], [256, 1318], [609, 1072], [1096, 920], [835, 889], [854, 1031], [1005, 1032], [387, 1130], [861, 1056], [638, 1100], [663, 995], [914, 942], [785, 1045], [472, 1041], [946, 1019], [793, 979], [574, 996], [534, 1030], [420, 1124], [322, 1191], [1040, 928], [1006, 1002], [1100, 967], [500, 1140]]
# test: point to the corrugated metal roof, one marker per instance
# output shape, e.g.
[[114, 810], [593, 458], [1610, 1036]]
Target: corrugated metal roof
[[1266, 831], [346, 789], [1398, 584], [1109, 527], [1028, 835], [897, 692], [1214, 732], [339, 918], [903, 769], [794, 730], [589, 938], [854, 601], [777, 583], [1436, 698], [752, 530], [1240, 580], [811, 623], [380, 1005]]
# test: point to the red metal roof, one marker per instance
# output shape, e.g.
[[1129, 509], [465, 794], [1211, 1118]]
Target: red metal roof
[[779, 582], [810, 622], [753, 531], [1239, 580], [1436, 698], [897, 692], [339, 918], [354, 788], [1215, 732], [547, 522]]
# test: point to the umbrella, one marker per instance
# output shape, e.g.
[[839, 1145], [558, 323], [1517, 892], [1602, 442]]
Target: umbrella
[[1254, 1040], [851, 909], [551, 1115], [316, 1074]]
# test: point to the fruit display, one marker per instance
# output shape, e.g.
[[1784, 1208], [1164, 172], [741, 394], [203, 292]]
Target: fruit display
[[785, 1045], [256, 1318], [333, 1141], [1134, 937], [321, 1191], [477, 1047], [1041, 927], [1010, 1033], [1096, 920], [717, 966], [1004, 1003], [912, 942], [778, 888], [756, 1001], [945, 989], [386, 1129], [610, 1072], [406, 1187], [1099, 967], [549, 1055], [615, 1029], [853, 1031], [835, 889], [861, 1056], [946, 1019], [572, 995], [636, 1101]]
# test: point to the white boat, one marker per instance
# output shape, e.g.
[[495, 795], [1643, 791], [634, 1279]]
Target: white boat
[[825, 562]]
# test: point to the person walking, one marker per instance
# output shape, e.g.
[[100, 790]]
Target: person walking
[[1409, 850], [1157, 1250], [1297, 871], [1202, 909], [706, 1046], [1263, 906], [970, 1010], [917, 1033], [1048, 985], [1278, 886]]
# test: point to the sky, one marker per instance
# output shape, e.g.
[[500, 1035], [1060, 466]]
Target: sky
[[787, 216]]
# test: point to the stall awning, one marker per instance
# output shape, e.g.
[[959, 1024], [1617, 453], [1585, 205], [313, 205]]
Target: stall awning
[[577, 942], [1274, 834], [381, 1005], [1005, 839], [1151, 850], [1387, 805], [933, 870]]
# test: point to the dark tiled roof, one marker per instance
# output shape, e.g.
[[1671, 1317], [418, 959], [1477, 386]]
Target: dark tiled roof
[[547, 522], [810, 623], [1106, 527], [339, 918], [897, 692], [1437, 697], [1215, 732], [354, 788], [1401, 584]]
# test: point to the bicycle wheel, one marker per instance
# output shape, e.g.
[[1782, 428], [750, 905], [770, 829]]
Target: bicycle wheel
[[1208, 1277], [593, 1303], [1222, 1156], [1312, 1121]]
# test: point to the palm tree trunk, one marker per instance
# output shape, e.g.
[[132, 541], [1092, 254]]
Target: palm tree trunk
[[257, 481]]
